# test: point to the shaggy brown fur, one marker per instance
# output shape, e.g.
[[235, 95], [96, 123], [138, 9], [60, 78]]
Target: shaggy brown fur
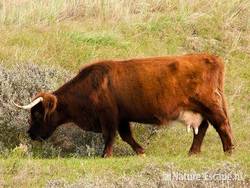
[[107, 95]]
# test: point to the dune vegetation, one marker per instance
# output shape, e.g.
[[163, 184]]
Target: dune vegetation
[[44, 43]]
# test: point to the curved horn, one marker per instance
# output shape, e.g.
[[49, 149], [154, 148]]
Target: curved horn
[[32, 104]]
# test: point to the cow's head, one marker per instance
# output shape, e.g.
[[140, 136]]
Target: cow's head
[[44, 117]]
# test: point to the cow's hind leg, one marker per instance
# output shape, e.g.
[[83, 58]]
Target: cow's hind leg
[[125, 132], [222, 126], [198, 139], [216, 115]]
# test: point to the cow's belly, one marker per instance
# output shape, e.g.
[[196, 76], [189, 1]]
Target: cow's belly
[[191, 120]]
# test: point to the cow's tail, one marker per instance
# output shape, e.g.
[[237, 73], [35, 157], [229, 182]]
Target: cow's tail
[[221, 86]]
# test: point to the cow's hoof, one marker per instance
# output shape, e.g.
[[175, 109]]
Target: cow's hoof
[[142, 155], [194, 152], [140, 151], [106, 155], [228, 152]]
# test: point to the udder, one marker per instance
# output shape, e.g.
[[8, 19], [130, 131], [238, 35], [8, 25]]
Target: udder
[[191, 120]]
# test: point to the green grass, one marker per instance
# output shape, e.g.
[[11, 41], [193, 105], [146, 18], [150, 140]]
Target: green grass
[[38, 171], [63, 34]]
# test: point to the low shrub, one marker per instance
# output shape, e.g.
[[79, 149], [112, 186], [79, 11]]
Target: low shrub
[[20, 83]]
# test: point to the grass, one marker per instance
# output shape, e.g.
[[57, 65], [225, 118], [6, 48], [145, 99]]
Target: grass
[[39, 171], [72, 33]]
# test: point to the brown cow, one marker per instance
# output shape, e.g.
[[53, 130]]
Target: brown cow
[[106, 96]]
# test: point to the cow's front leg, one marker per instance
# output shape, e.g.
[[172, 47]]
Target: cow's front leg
[[109, 128], [125, 132], [109, 137]]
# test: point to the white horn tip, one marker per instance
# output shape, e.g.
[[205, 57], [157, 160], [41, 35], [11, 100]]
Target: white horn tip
[[188, 128], [29, 106], [17, 105], [196, 130]]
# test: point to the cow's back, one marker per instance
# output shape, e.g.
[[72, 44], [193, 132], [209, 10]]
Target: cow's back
[[152, 89]]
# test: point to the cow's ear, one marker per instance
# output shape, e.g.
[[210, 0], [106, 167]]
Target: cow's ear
[[49, 103]]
